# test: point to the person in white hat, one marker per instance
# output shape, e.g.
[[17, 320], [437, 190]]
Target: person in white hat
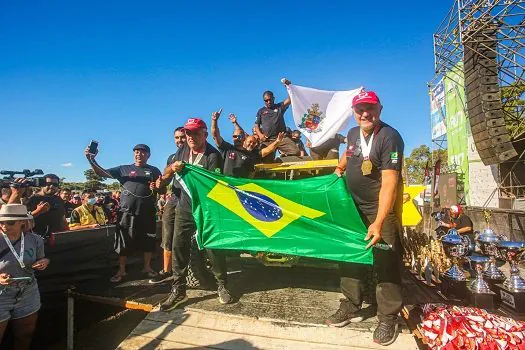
[[20, 254]]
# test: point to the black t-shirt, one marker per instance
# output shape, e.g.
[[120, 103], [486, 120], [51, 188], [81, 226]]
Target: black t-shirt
[[332, 143], [386, 154], [136, 197], [301, 147], [271, 120], [239, 163], [211, 160], [174, 190], [51, 221], [460, 222], [69, 208]]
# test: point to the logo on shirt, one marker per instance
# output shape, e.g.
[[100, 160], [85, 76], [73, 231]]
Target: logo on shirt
[[394, 156], [147, 172], [231, 156], [243, 157], [132, 173], [312, 121], [350, 151]]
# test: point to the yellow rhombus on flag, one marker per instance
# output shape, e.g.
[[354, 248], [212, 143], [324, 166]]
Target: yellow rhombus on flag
[[288, 210]]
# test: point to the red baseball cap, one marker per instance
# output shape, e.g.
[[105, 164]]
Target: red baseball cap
[[365, 97], [195, 124]]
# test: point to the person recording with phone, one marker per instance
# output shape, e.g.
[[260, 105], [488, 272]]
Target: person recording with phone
[[21, 253], [47, 208], [136, 222]]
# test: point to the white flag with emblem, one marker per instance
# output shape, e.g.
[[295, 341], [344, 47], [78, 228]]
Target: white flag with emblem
[[320, 114]]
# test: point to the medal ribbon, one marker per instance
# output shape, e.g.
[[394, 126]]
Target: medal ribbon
[[197, 159], [20, 257], [366, 147]]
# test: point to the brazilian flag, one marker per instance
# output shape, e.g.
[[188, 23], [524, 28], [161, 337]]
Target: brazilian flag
[[314, 217]]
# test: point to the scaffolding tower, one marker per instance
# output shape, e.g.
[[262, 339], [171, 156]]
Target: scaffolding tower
[[467, 22]]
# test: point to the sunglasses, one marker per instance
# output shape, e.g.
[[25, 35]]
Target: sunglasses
[[8, 223], [237, 136], [52, 184], [268, 100]]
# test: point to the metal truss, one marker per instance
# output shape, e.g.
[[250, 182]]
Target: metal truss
[[467, 22], [475, 24]]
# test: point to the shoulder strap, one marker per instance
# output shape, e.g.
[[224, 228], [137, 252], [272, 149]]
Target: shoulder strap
[[6, 250]]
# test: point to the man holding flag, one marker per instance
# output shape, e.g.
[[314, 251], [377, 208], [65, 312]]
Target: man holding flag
[[196, 151], [373, 163], [269, 122]]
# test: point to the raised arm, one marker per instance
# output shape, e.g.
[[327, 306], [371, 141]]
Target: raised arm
[[272, 146], [215, 133], [288, 100], [100, 171], [236, 125]]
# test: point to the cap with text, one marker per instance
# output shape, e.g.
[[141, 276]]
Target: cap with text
[[194, 124], [365, 97]]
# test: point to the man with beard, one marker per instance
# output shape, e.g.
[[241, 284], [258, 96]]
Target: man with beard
[[241, 157], [168, 218], [65, 195], [47, 208], [199, 152], [136, 225]]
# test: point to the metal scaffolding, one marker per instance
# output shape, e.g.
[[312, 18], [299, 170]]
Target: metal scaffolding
[[467, 22]]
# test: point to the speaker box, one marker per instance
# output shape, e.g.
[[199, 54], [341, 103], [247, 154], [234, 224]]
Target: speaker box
[[484, 105]]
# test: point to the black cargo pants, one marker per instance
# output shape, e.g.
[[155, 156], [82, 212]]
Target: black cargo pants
[[387, 264], [184, 230]]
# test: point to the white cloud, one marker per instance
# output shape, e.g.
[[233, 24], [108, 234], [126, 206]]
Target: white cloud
[[67, 165]]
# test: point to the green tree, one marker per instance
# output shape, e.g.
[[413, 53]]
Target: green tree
[[514, 108], [114, 186], [414, 165], [93, 181]]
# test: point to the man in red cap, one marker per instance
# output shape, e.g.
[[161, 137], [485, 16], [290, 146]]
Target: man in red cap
[[458, 220], [199, 152], [373, 163]]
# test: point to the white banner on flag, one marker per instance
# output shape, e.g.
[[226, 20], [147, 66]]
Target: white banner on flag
[[320, 114]]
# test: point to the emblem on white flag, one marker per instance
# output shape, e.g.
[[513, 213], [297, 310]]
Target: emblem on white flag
[[320, 114]]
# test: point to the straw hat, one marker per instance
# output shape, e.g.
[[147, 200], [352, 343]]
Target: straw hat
[[14, 212]]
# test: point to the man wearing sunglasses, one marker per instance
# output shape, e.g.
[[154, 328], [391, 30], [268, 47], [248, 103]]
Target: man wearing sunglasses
[[270, 122], [241, 156], [47, 208]]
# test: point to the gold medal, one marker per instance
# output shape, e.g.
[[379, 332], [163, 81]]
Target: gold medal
[[366, 167]]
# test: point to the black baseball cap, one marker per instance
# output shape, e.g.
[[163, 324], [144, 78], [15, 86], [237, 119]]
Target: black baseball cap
[[142, 147]]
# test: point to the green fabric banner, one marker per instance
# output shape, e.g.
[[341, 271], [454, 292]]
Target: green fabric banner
[[457, 123], [314, 217]]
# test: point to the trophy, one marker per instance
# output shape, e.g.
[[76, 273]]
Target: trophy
[[487, 242], [454, 280], [513, 289], [455, 246], [479, 292]]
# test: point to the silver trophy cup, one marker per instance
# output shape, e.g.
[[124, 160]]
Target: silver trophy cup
[[487, 243], [455, 247], [513, 252], [478, 285]]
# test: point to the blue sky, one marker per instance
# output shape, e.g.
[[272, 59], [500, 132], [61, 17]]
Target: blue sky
[[127, 72]]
